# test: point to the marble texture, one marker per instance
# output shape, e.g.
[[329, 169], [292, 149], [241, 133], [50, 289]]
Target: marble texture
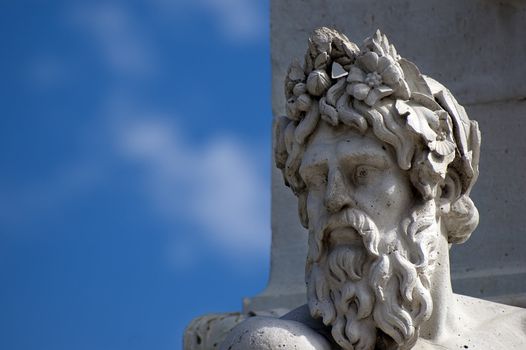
[[382, 160], [463, 45], [474, 39], [207, 332]]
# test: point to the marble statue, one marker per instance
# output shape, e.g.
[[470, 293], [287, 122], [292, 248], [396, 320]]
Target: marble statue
[[382, 160]]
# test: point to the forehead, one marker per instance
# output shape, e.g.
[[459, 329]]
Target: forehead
[[329, 142]]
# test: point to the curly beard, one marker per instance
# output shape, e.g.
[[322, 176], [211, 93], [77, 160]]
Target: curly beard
[[372, 293]]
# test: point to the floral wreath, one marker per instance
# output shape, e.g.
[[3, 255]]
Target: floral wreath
[[338, 78]]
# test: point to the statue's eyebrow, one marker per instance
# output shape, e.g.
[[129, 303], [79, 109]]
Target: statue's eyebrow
[[316, 162], [366, 156]]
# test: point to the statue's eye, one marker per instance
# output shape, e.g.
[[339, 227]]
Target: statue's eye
[[363, 174]]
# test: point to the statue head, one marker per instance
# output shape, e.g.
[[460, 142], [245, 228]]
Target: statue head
[[382, 160]]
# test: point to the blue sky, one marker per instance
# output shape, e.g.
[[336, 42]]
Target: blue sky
[[135, 182]]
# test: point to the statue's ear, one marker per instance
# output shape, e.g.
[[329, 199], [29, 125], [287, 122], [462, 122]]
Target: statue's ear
[[450, 191]]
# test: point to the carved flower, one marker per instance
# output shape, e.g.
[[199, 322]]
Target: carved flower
[[380, 77], [443, 144]]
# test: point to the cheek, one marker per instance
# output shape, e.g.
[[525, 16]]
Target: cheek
[[378, 204], [392, 196], [395, 197], [387, 201]]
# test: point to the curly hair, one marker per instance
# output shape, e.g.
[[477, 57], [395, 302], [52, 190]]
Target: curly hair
[[419, 118]]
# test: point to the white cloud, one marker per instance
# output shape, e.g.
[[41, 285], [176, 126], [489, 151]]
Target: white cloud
[[124, 47], [239, 20], [217, 186]]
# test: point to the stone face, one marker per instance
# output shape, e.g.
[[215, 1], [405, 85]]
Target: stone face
[[453, 45], [476, 50], [382, 160]]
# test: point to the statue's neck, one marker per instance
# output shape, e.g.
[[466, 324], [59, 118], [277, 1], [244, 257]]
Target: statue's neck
[[442, 318]]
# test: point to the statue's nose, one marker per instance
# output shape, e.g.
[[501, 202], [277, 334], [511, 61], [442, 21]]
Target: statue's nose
[[337, 194]]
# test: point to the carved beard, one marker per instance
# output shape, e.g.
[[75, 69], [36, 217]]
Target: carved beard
[[373, 293]]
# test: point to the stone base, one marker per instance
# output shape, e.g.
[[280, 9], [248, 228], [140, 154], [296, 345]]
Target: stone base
[[208, 331]]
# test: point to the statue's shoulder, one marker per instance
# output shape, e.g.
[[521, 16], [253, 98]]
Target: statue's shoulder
[[257, 333], [488, 312], [496, 325]]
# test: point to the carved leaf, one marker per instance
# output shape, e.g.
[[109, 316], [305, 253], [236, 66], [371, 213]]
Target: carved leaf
[[402, 91], [415, 121], [337, 71], [385, 43], [377, 94], [414, 78], [375, 43], [356, 75], [384, 62]]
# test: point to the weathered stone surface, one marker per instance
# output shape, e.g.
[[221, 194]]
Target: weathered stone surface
[[475, 48], [265, 333], [498, 269], [451, 42], [208, 331], [382, 160]]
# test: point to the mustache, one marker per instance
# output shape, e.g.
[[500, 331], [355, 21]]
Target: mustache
[[351, 218]]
